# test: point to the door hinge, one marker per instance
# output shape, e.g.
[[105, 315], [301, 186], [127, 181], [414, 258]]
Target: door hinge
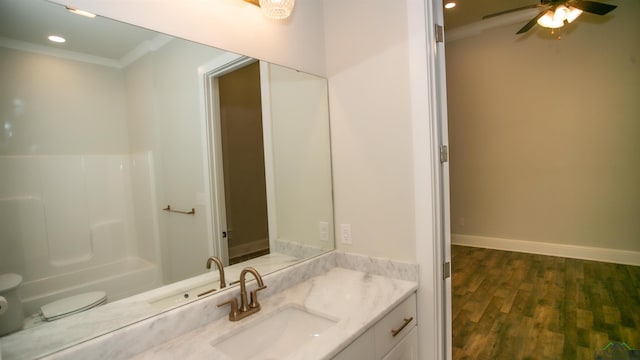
[[446, 270], [444, 153], [439, 33]]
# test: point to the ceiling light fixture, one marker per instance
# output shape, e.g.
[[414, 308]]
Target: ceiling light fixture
[[275, 9], [57, 39], [450, 5], [557, 13], [556, 18], [80, 12], [573, 14]]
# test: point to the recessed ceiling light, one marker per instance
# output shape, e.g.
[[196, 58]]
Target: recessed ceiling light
[[57, 39], [81, 12], [450, 5]]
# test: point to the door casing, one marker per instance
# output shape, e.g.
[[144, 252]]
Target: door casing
[[212, 146]]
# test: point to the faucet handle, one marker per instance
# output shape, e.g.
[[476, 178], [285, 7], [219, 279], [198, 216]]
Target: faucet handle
[[254, 297], [233, 313]]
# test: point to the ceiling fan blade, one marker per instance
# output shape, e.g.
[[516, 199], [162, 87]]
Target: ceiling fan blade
[[593, 7], [510, 11], [531, 23]]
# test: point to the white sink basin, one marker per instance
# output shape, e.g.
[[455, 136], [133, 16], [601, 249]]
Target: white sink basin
[[274, 337]]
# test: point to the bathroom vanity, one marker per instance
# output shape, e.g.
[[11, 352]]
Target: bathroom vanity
[[352, 305], [393, 337], [312, 320]]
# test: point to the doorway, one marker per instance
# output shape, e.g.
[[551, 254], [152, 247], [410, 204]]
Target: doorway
[[236, 155], [534, 179], [243, 166]]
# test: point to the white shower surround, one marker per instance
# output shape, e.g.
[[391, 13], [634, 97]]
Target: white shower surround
[[75, 218]]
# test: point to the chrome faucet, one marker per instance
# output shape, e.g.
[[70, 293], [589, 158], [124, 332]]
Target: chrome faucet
[[214, 259], [246, 307]]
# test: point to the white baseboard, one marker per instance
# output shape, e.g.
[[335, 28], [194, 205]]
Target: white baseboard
[[533, 247], [248, 248]]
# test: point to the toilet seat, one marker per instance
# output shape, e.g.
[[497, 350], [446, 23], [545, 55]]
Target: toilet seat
[[9, 281], [73, 304]]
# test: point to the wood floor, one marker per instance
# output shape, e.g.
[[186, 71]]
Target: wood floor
[[509, 305]]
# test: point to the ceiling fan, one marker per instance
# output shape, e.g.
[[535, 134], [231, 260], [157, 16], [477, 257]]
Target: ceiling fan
[[555, 13]]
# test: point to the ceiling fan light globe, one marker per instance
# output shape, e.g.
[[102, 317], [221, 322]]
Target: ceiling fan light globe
[[573, 14], [549, 21], [561, 13]]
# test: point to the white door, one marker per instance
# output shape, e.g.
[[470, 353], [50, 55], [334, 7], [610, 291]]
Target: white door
[[443, 141]]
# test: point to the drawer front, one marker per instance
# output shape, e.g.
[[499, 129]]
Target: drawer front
[[361, 348], [395, 325], [407, 349]]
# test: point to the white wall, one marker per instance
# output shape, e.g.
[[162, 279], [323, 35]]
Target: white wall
[[143, 134], [380, 69], [544, 134], [376, 61], [164, 104], [177, 108], [369, 93], [302, 162], [42, 106], [138, 78]]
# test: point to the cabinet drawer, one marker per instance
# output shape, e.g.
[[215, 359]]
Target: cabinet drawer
[[395, 325], [407, 349], [361, 348]]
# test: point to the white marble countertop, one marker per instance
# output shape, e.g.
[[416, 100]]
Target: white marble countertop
[[48, 337], [358, 297], [355, 299]]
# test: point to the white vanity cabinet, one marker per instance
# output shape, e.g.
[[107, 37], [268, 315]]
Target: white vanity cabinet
[[407, 348], [394, 337]]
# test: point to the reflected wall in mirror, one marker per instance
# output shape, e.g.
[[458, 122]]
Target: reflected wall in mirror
[[103, 132]]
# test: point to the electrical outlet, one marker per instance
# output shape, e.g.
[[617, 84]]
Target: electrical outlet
[[345, 231], [324, 231]]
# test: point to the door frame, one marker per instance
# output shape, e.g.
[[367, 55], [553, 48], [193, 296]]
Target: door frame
[[214, 198], [431, 179], [442, 198], [269, 159]]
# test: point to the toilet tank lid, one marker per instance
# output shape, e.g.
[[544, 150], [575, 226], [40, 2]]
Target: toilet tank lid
[[9, 281]]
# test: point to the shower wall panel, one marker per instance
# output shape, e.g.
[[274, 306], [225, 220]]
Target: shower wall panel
[[69, 213]]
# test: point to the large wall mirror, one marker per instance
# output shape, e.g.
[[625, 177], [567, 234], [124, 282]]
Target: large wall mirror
[[128, 157]]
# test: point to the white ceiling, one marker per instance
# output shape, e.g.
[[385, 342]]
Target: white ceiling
[[470, 11], [32, 21]]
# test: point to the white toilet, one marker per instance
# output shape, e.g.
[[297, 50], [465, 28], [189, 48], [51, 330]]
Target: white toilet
[[11, 314], [72, 305]]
